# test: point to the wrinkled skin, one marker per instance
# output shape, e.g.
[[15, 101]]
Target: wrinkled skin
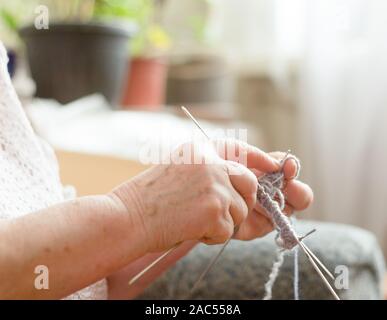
[[179, 202]]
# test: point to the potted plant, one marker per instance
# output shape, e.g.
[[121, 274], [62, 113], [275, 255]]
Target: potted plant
[[81, 52], [145, 83]]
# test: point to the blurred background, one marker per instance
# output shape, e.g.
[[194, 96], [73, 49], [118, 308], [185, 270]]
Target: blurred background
[[104, 77]]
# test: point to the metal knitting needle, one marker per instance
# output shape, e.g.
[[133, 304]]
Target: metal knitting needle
[[307, 234], [313, 255], [318, 261], [195, 121], [215, 258], [305, 246], [146, 269], [303, 237], [302, 245], [210, 265]]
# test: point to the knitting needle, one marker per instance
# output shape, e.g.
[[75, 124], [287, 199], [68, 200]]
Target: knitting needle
[[318, 271], [307, 234], [142, 272], [318, 261], [215, 258], [195, 121], [303, 237], [313, 255], [210, 265]]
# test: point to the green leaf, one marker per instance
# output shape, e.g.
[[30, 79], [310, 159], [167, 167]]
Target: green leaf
[[9, 19]]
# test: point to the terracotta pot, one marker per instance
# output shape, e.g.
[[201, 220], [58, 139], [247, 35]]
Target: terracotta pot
[[145, 85]]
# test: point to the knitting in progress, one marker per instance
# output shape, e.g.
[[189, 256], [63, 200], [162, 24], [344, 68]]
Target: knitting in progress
[[271, 198], [269, 188]]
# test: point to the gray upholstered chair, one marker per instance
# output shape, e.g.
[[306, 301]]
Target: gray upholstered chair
[[244, 267]]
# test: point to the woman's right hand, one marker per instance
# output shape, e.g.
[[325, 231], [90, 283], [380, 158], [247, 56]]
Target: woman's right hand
[[178, 202]]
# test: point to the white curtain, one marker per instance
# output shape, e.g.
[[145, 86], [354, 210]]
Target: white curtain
[[339, 49], [344, 111]]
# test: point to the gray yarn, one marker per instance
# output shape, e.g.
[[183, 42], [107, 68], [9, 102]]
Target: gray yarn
[[269, 188], [274, 274], [296, 275], [272, 199], [286, 237]]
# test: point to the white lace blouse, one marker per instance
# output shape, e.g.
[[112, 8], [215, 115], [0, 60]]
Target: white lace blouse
[[29, 178]]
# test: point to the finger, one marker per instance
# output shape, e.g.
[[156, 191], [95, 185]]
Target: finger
[[238, 208], [298, 194], [248, 155], [224, 230], [256, 172], [256, 225], [244, 182], [290, 166]]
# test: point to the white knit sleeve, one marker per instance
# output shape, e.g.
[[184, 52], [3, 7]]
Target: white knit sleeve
[[29, 176]]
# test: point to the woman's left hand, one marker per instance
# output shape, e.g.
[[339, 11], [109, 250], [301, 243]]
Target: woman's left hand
[[298, 195]]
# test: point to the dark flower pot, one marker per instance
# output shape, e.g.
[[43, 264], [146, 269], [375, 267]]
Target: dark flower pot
[[68, 61]]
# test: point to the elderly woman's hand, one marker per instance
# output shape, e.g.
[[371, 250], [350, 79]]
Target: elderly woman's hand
[[185, 201], [298, 197]]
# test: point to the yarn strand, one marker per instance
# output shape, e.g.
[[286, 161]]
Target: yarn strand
[[274, 274], [296, 275]]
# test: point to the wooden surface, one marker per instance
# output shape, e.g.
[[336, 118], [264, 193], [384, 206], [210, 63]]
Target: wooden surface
[[94, 174]]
